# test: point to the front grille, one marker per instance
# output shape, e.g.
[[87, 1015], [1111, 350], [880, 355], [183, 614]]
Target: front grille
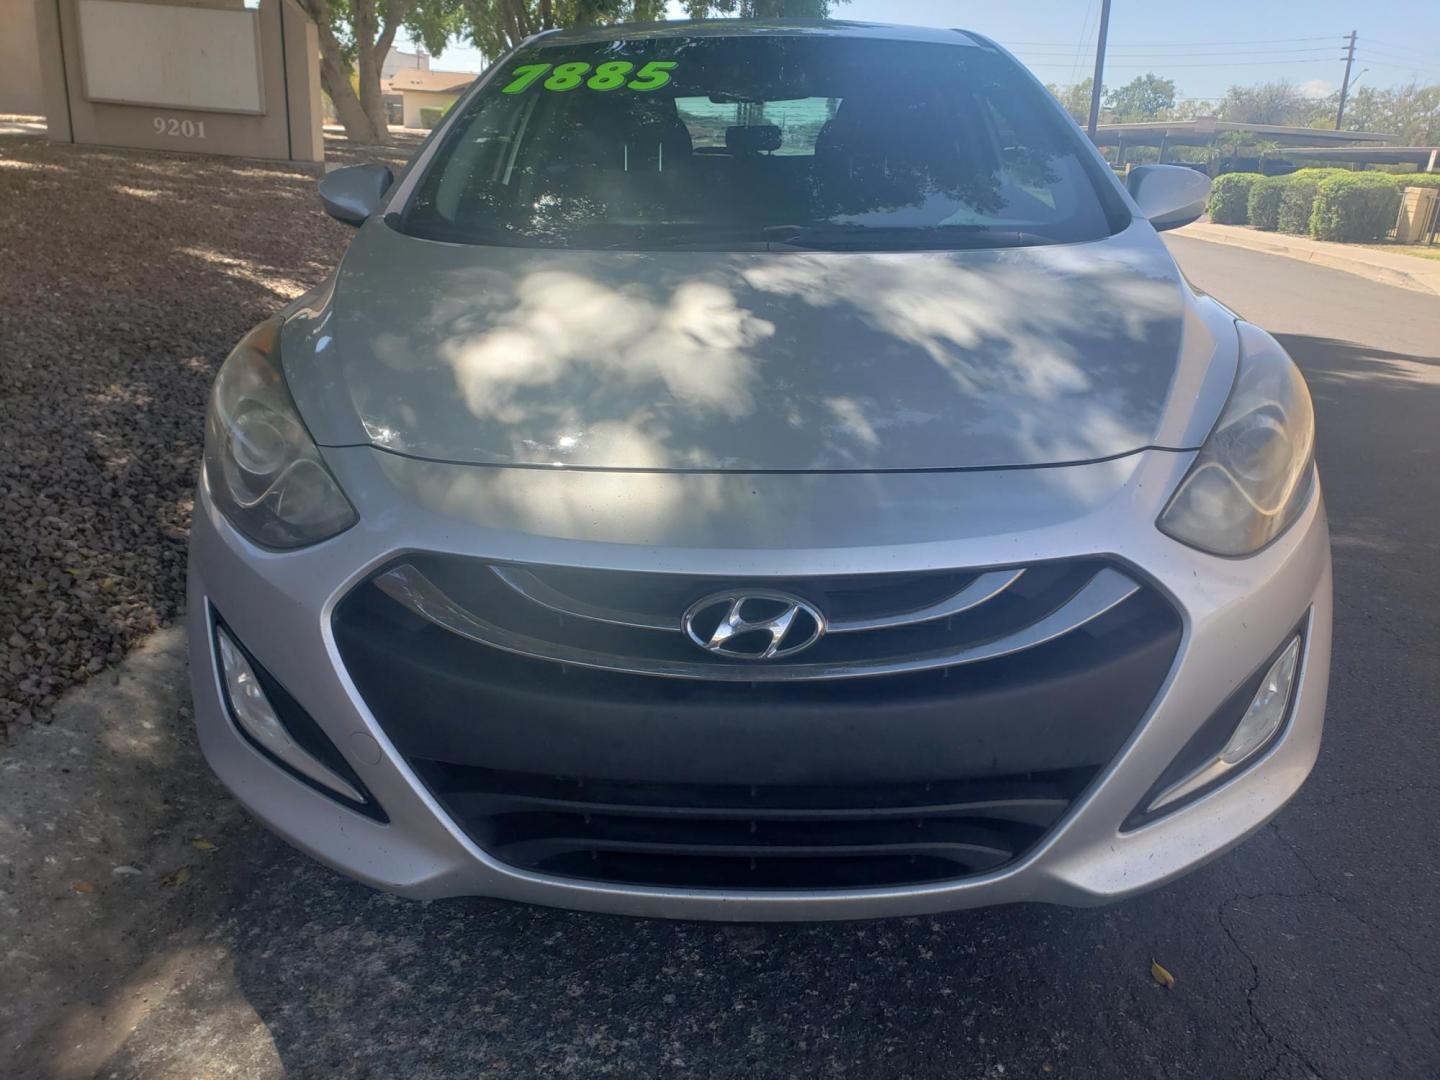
[[752, 836], [939, 728], [874, 625]]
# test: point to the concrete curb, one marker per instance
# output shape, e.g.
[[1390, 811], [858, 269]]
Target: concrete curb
[[1375, 265]]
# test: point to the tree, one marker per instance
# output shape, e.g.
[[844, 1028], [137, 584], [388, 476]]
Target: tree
[[497, 25], [1143, 98], [759, 9], [1075, 99], [1279, 102], [355, 36], [1193, 108], [1411, 112]]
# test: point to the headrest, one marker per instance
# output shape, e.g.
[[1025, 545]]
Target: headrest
[[753, 139]]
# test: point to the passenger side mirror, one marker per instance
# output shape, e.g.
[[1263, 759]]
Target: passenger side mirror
[[352, 194], [1169, 195]]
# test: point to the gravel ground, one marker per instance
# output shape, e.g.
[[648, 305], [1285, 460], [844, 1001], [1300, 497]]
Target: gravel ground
[[129, 275]]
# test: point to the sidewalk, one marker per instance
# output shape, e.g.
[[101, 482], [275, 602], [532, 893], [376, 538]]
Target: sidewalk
[[1405, 271]]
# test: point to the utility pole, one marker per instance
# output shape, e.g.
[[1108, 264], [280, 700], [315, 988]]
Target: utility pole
[[1345, 86], [1099, 83]]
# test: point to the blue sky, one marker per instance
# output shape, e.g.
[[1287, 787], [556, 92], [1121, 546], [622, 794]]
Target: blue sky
[[1204, 47]]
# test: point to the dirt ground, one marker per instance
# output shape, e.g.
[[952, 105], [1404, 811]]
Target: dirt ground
[[126, 278]]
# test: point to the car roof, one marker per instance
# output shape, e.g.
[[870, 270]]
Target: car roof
[[761, 27]]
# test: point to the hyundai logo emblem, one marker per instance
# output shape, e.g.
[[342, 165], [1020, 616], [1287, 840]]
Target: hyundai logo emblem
[[753, 625]]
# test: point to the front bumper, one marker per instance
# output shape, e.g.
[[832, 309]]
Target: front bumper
[[1234, 614]]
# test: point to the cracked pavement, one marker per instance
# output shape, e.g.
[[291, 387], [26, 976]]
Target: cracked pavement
[[1310, 951]]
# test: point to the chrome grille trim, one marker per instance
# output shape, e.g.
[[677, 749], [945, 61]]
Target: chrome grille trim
[[529, 585], [982, 590], [536, 591], [409, 586]]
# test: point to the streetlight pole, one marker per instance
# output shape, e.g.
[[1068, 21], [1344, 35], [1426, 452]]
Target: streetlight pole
[[1099, 82], [1345, 86]]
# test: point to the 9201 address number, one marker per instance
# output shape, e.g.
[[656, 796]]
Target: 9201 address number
[[174, 126]]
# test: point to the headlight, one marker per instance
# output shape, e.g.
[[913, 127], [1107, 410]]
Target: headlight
[[1254, 473], [264, 471]]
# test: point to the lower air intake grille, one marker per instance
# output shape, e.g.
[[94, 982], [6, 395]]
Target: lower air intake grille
[[941, 724], [738, 836]]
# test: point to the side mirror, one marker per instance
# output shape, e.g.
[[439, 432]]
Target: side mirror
[[1169, 195], [352, 194]]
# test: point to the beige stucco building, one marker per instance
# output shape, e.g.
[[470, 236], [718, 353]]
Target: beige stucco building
[[233, 77], [428, 90], [21, 88]]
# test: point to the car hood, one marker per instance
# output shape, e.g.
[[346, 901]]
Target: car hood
[[755, 361]]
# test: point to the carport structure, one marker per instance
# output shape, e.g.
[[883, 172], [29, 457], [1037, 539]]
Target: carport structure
[[1424, 158], [1207, 131]]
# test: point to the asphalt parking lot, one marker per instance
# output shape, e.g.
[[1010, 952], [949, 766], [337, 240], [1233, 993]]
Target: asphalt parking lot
[[149, 929]]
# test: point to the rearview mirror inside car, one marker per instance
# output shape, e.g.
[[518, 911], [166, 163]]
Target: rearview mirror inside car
[[352, 194], [1169, 195]]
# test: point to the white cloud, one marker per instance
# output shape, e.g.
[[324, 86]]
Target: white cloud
[[1316, 88]]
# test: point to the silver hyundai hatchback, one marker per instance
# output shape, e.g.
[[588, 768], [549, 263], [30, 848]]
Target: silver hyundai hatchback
[[760, 471]]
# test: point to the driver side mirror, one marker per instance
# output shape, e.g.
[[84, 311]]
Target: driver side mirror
[[1169, 195], [355, 193]]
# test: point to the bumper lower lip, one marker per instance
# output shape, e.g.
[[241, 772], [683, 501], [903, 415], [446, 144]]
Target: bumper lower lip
[[281, 606]]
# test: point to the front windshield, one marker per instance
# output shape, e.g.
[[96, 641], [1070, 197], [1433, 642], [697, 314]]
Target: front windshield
[[716, 142]]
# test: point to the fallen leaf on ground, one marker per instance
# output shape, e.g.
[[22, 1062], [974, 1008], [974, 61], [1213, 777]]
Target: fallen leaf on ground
[[83, 886], [1163, 977], [179, 877], [201, 844]]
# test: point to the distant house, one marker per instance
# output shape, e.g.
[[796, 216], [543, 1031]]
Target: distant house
[[397, 60], [431, 91]]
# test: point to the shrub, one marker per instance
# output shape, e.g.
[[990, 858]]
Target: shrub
[[1229, 197], [1264, 206], [1355, 207], [1298, 202], [1423, 179]]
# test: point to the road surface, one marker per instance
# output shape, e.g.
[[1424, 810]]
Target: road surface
[[1313, 950]]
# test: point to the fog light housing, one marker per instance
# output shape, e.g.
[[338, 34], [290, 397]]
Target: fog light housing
[[1267, 709], [255, 716], [1264, 716]]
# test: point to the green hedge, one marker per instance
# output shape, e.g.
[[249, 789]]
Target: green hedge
[[1298, 203], [1229, 197], [1264, 206], [1326, 203], [1355, 207]]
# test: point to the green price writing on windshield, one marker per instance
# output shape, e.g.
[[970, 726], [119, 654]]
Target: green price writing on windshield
[[611, 75]]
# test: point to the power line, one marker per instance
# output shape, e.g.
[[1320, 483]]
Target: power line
[[1180, 44], [1413, 61], [1186, 56], [1080, 44], [1217, 64], [1394, 47], [1412, 67]]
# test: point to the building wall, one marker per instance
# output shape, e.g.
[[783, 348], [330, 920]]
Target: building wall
[[21, 87], [396, 60], [415, 100], [242, 81]]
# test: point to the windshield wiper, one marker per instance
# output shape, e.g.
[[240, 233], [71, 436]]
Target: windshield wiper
[[698, 234], [470, 233], [844, 236]]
